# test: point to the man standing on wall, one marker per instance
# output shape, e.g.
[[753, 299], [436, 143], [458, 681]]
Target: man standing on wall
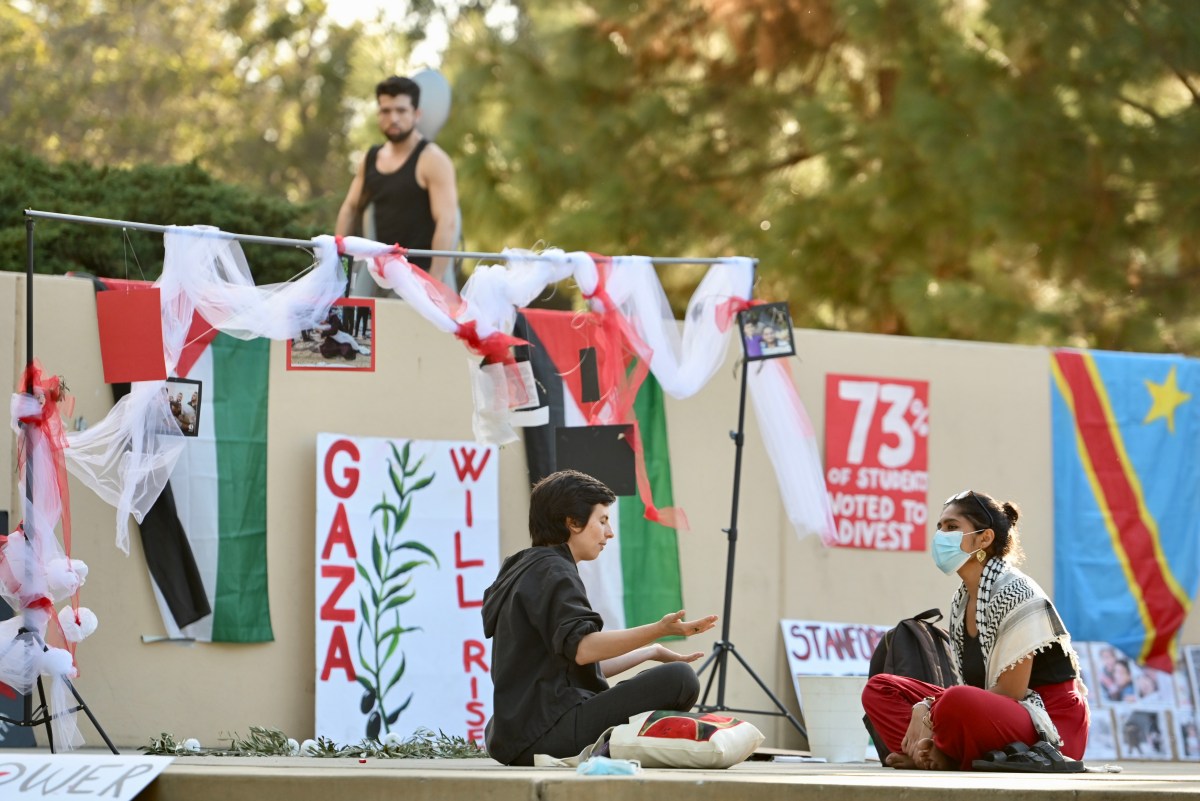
[[408, 179]]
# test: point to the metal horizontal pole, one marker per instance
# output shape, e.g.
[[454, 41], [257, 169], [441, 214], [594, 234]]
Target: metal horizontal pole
[[307, 243], [162, 229]]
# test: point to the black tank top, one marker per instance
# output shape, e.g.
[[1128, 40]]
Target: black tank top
[[402, 212]]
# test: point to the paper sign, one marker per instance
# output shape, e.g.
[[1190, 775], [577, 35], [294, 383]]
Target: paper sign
[[815, 648], [131, 343], [408, 538], [877, 458], [77, 776]]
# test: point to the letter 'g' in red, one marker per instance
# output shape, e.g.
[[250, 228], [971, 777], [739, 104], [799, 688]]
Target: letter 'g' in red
[[350, 474]]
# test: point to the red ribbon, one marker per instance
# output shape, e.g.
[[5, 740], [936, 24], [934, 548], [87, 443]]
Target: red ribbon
[[50, 393], [55, 402], [617, 343], [725, 312], [495, 347], [442, 296]]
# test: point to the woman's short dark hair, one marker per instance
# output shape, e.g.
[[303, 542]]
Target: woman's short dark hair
[[562, 496], [1001, 519]]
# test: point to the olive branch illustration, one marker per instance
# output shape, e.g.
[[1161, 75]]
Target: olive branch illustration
[[388, 576]]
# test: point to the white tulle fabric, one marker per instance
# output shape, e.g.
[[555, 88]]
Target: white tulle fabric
[[791, 444], [35, 565], [683, 364], [495, 292], [35, 571], [205, 271], [127, 457], [392, 271], [492, 296]]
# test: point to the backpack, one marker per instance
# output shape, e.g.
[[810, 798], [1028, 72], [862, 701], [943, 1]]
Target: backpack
[[917, 649]]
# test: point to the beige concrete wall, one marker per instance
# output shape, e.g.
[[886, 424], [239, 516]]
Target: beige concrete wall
[[991, 439]]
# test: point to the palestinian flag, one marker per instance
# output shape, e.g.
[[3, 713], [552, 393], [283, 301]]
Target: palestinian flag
[[205, 537], [220, 489], [642, 583]]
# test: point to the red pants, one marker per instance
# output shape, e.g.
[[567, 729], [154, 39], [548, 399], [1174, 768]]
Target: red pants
[[968, 722]]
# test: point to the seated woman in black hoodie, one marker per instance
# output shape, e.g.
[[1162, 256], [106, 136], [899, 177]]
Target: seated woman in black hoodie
[[550, 657]]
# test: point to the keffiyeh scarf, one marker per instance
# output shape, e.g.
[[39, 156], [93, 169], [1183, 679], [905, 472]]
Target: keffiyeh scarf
[[1016, 620]]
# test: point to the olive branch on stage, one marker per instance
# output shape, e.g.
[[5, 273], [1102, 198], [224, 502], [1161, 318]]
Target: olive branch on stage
[[388, 575]]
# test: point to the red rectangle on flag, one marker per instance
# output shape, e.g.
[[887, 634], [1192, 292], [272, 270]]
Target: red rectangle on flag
[[131, 343]]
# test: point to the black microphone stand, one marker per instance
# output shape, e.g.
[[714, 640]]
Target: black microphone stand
[[723, 648]]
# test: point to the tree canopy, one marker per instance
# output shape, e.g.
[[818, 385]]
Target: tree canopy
[[1017, 171]]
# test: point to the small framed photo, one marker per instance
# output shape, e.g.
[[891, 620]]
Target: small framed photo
[[766, 331], [1102, 737], [184, 395], [1187, 736], [1116, 675], [1183, 692], [1086, 674], [345, 340], [1155, 689], [1191, 658], [1144, 734]]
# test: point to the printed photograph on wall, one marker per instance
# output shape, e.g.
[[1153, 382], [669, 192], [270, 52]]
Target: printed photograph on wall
[[1187, 736], [345, 340], [1144, 734], [1183, 691], [1155, 688], [1191, 658], [1086, 672], [184, 394], [1116, 675], [1102, 737], [766, 331]]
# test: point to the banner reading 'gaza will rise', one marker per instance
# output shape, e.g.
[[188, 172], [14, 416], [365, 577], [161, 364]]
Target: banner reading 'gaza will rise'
[[407, 541]]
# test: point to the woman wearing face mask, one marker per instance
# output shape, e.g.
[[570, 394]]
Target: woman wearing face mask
[[1013, 655]]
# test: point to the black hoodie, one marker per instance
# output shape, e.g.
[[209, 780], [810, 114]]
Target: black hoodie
[[537, 611]]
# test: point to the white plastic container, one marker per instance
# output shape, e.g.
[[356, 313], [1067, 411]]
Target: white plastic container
[[833, 713]]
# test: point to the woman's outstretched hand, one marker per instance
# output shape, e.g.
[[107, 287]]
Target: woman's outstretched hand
[[676, 626], [664, 655]]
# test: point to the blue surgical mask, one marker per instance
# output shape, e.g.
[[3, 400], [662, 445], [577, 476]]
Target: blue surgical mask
[[947, 550]]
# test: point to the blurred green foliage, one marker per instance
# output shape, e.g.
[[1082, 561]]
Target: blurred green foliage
[[1017, 171], [183, 195]]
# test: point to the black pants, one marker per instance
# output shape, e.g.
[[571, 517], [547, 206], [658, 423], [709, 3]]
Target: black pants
[[670, 686]]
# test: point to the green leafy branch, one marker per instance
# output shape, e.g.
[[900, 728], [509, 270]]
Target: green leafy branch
[[388, 576], [266, 741]]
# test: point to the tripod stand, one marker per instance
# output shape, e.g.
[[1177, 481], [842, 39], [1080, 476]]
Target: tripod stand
[[723, 648], [41, 716]]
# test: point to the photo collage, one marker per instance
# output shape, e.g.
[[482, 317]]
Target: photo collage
[[1139, 713]]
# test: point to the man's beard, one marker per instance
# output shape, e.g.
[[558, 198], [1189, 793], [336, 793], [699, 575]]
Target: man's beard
[[401, 136]]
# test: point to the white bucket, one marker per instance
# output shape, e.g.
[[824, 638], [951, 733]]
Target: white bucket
[[833, 713]]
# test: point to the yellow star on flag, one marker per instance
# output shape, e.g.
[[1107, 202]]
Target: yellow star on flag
[[1167, 398]]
